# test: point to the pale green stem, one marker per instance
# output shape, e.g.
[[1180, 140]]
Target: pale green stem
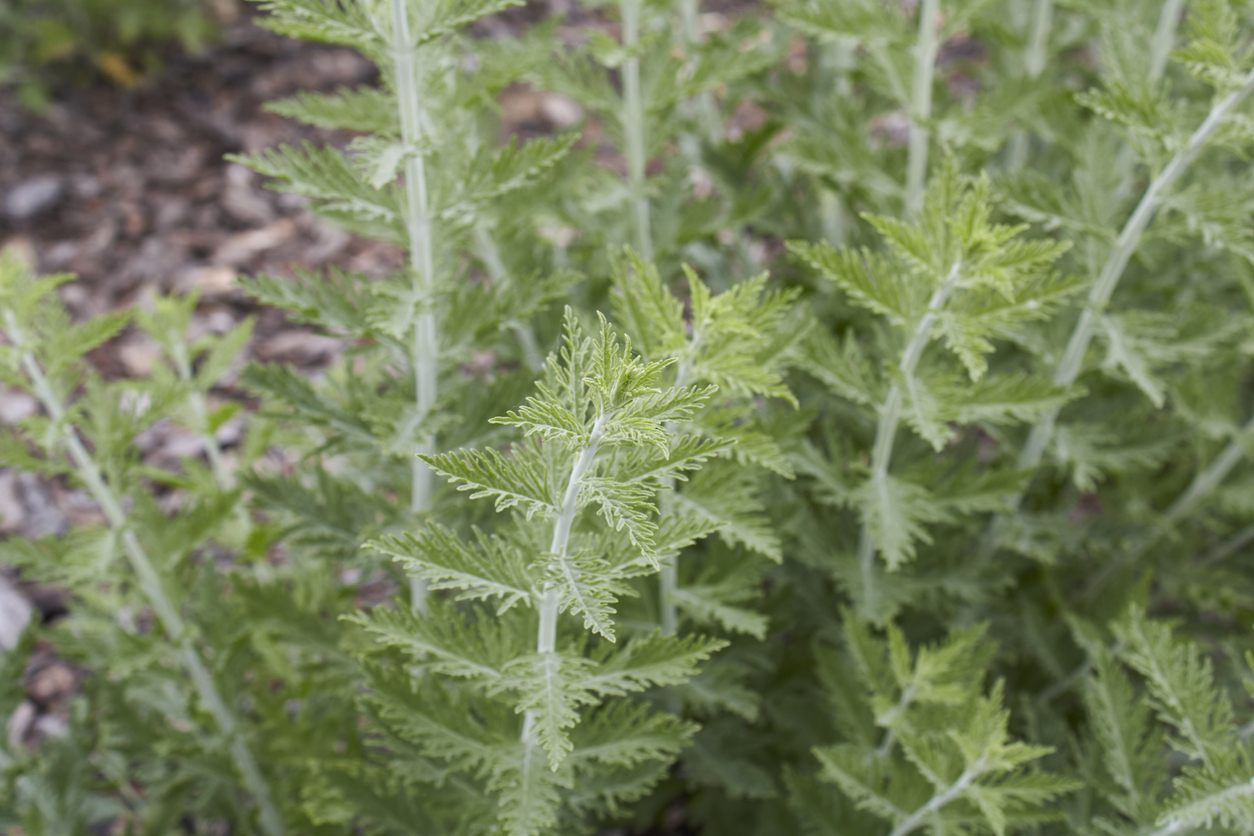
[[703, 106], [912, 822], [551, 599], [1034, 64], [1229, 547], [1160, 46], [921, 103], [422, 265], [886, 429], [1127, 243], [633, 129], [496, 270], [890, 737], [668, 572], [150, 584]]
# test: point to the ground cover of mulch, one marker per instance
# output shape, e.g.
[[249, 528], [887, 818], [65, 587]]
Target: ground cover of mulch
[[129, 190]]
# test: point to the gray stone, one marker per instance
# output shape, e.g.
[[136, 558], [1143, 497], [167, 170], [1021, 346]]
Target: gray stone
[[33, 195]]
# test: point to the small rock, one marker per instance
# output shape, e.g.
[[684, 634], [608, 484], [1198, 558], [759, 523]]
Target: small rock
[[33, 195], [20, 724], [50, 726], [298, 347], [43, 517], [242, 246], [560, 111], [242, 200], [22, 247], [209, 281], [14, 614], [50, 683], [12, 512], [139, 355], [16, 406]]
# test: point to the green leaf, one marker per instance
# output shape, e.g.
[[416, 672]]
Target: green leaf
[[896, 513]]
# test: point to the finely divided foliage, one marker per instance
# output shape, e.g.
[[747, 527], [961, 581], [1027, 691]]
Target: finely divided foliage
[[884, 472]]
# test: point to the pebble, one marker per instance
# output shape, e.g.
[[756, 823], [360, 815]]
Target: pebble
[[33, 195], [14, 613]]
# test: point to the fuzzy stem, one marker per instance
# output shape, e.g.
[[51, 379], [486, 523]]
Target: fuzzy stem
[[150, 584], [911, 822], [921, 103], [551, 599], [1034, 64], [633, 128], [1164, 37], [1127, 243], [1229, 547], [422, 265], [886, 429]]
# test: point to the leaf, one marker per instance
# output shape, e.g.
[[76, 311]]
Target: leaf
[[360, 109], [654, 659], [866, 277], [895, 513], [588, 589], [489, 567], [523, 478], [445, 642], [552, 687]]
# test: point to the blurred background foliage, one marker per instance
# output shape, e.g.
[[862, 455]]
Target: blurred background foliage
[[45, 42]]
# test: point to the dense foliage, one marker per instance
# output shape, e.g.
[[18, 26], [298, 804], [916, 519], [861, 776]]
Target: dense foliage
[[841, 430]]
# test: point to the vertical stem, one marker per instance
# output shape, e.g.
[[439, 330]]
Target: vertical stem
[[421, 262], [551, 599], [1034, 64], [886, 429], [150, 583], [1126, 244], [921, 102], [633, 129], [1164, 37]]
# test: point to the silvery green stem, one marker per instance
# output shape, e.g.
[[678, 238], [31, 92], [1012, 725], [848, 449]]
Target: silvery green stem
[[633, 129], [1034, 65], [921, 103], [1230, 546], [886, 429], [421, 262], [1126, 244], [1164, 37], [496, 269], [150, 584], [911, 822], [551, 599]]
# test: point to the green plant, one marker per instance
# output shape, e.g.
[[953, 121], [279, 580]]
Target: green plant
[[865, 543]]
